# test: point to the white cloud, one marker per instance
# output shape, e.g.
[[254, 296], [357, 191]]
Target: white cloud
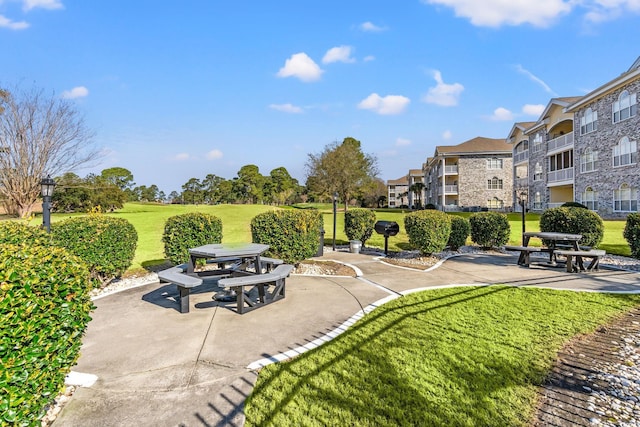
[[402, 142], [287, 108], [370, 27], [182, 156], [388, 105], [369, 58], [501, 114], [495, 13], [43, 4], [302, 67], [338, 54], [607, 10], [76, 92], [443, 94], [214, 154], [447, 134], [12, 25], [535, 79], [533, 109]]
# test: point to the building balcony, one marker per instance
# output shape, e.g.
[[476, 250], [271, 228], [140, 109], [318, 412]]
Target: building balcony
[[561, 143], [449, 189], [449, 170], [521, 157], [561, 175]]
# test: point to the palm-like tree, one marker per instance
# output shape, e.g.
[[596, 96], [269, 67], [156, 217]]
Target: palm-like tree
[[416, 189]]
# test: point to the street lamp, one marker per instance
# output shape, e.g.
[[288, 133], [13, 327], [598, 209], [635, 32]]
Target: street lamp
[[47, 185], [522, 199], [335, 204]]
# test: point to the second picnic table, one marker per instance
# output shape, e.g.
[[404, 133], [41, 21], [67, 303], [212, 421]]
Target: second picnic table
[[554, 239]]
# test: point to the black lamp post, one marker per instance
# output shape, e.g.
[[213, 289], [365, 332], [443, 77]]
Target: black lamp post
[[522, 199], [47, 185], [335, 204]]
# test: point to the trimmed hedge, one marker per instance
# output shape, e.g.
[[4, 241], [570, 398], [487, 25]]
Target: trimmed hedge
[[107, 244], [489, 229], [632, 234], [189, 230], [428, 230], [16, 232], [574, 220], [359, 223], [292, 235], [460, 229], [44, 306]]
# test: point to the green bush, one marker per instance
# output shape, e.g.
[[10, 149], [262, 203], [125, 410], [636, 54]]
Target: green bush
[[107, 244], [573, 205], [16, 232], [489, 229], [292, 235], [359, 223], [460, 230], [574, 220], [44, 307], [430, 206], [632, 234], [428, 230], [190, 230]]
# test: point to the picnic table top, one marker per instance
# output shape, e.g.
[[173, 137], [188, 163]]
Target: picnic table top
[[219, 250], [553, 235]]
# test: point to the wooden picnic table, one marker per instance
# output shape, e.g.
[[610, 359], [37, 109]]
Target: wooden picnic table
[[555, 240]]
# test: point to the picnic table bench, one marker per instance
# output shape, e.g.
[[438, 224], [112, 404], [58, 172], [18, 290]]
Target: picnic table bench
[[593, 254], [277, 277], [183, 281], [525, 251]]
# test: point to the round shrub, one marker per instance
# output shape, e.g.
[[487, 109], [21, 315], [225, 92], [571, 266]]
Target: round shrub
[[460, 230], [574, 220], [428, 230], [190, 230], [292, 235], [632, 234], [489, 229], [16, 232], [359, 223], [106, 244], [573, 205], [44, 307]]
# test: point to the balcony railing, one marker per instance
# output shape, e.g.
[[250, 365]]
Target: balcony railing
[[562, 142], [560, 175], [449, 189], [449, 170], [521, 157]]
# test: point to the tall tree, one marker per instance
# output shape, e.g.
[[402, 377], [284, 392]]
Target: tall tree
[[211, 188], [40, 135], [192, 191], [416, 188], [250, 183], [341, 168]]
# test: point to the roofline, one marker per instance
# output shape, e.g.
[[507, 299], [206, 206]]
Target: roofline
[[624, 78]]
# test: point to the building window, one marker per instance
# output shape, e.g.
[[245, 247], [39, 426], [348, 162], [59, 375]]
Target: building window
[[537, 172], [494, 163], [625, 152], [537, 143], [589, 161], [495, 203], [624, 107], [625, 199], [589, 122], [537, 201], [494, 183], [590, 199]]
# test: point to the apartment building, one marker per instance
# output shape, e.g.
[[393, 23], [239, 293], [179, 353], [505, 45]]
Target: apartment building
[[416, 192], [474, 174], [582, 149], [398, 192]]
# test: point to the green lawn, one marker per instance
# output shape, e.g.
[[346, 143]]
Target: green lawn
[[447, 357], [149, 219]]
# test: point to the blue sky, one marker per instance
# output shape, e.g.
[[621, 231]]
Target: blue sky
[[176, 90]]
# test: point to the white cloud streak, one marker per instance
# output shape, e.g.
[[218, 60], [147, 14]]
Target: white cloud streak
[[402, 142], [12, 25], [535, 79], [388, 105], [287, 108], [299, 65], [533, 109], [370, 27], [76, 92], [501, 114], [42, 4], [181, 157], [443, 94], [214, 154], [338, 54]]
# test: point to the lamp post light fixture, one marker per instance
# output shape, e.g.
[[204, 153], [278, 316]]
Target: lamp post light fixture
[[47, 186], [522, 199], [335, 204]]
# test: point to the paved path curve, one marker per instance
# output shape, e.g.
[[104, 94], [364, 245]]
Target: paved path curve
[[158, 367]]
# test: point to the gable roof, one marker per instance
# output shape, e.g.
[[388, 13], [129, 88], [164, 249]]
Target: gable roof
[[522, 126], [478, 144], [400, 181]]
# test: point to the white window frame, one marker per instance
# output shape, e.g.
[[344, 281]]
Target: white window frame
[[537, 143], [537, 172], [495, 183], [625, 199], [589, 161], [494, 163], [625, 107], [495, 203], [537, 201], [625, 153], [589, 122], [590, 198]]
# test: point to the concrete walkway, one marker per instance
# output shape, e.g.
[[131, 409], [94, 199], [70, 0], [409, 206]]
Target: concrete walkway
[[158, 367]]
